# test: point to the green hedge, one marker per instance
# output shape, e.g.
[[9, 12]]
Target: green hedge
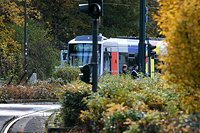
[[122, 104], [67, 74], [72, 104]]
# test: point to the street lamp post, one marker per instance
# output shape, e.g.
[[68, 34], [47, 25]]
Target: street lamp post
[[25, 37]]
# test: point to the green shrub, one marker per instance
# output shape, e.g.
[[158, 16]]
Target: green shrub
[[71, 100], [140, 95], [150, 123], [122, 104], [58, 81], [118, 118], [67, 74]]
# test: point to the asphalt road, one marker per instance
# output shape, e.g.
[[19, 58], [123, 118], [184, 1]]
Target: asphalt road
[[29, 117]]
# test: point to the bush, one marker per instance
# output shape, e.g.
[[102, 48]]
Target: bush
[[67, 74], [72, 104], [152, 97], [38, 90], [119, 117], [122, 104]]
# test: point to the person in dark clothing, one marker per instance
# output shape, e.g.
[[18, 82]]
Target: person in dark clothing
[[134, 73], [124, 69]]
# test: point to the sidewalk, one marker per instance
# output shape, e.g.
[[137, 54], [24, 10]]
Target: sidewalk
[[31, 124]]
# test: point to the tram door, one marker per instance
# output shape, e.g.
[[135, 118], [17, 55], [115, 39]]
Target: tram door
[[107, 60], [110, 60]]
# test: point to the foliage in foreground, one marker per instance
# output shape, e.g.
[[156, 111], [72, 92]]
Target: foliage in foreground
[[180, 23], [126, 105], [71, 100]]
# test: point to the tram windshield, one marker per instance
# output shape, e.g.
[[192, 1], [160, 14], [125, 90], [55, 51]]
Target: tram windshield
[[81, 54]]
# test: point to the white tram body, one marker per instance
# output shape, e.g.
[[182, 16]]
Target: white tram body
[[113, 53]]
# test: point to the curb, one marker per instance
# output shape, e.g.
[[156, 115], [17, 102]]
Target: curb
[[28, 100]]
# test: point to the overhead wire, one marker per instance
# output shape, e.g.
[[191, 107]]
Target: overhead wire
[[105, 3]]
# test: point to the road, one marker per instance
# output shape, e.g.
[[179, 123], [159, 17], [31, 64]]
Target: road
[[29, 117]]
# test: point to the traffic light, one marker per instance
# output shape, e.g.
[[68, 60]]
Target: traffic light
[[83, 8], [85, 73], [150, 50], [94, 9]]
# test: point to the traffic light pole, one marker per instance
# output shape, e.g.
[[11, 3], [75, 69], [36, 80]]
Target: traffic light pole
[[94, 54], [149, 59], [149, 66], [25, 37], [94, 8], [142, 46]]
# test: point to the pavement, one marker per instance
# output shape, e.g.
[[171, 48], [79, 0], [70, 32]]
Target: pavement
[[30, 117], [29, 124]]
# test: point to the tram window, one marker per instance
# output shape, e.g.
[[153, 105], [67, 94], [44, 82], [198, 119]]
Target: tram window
[[81, 54], [107, 61], [133, 59], [128, 59], [123, 59], [131, 56]]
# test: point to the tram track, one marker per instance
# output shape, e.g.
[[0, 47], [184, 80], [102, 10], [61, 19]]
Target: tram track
[[8, 125]]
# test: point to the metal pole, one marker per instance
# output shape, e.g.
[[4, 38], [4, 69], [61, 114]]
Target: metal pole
[[149, 59], [25, 38], [149, 66], [142, 45], [94, 54]]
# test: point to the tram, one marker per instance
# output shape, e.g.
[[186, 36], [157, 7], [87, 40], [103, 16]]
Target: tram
[[113, 53]]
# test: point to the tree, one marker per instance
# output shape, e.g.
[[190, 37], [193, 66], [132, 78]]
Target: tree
[[180, 23], [64, 19], [9, 48], [41, 54], [152, 30], [120, 18]]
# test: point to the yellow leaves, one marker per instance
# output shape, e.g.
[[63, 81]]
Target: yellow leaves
[[128, 121], [122, 79], [190, 103], [83, 114], [170, 128], [187, 111], [179, 21], [7, 44], [142, 122], [15, 11], [186, 129], [115, 107]]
